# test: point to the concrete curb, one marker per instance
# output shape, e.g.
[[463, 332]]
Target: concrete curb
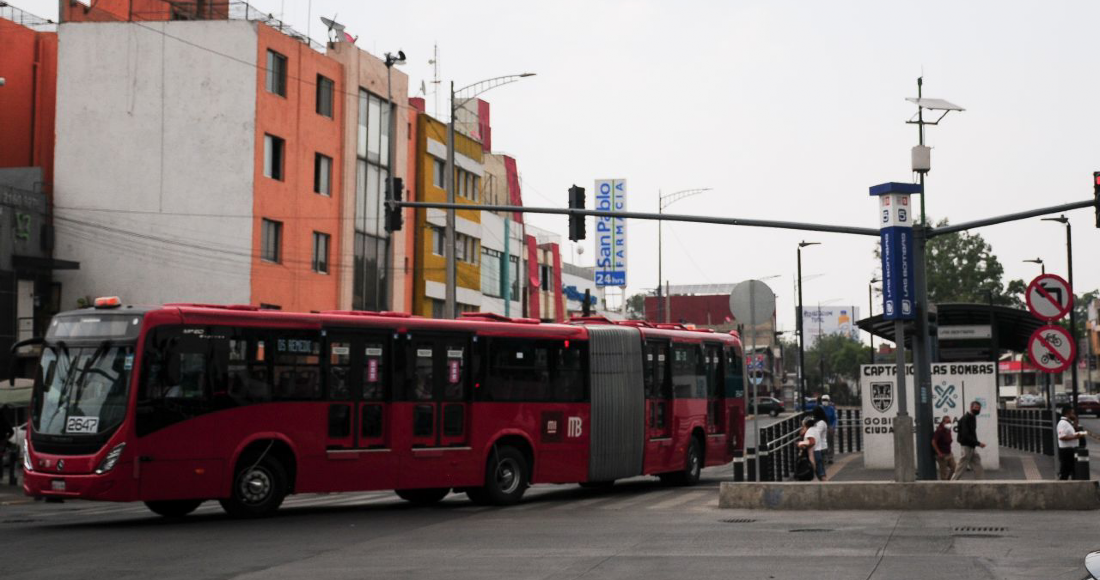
[[924, 495]]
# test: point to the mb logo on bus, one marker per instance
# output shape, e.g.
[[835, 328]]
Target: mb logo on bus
[[573, 428]]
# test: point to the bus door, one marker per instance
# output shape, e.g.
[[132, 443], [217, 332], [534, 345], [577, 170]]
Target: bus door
[[438, 418], [659, 408], [359, 424], [717, 418]]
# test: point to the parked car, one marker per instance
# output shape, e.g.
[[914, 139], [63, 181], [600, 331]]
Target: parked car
[[770, 405], [1087, 404], [1028, 401]]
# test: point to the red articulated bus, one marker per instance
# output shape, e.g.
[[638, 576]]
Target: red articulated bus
[[183, 403]]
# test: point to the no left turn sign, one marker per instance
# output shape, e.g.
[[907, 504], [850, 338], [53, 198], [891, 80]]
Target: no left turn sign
[[1051, 349], [1049, 297]]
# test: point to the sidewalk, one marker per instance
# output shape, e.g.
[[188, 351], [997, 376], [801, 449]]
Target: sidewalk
[[12, 494], [1015, 465]]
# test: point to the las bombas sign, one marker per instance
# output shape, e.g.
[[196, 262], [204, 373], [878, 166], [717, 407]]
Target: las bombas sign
[[954, 387]]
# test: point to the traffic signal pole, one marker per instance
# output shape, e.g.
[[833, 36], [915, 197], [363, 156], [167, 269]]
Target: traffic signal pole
[[924, 233]]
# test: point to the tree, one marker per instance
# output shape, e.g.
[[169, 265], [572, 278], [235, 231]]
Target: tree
[[842, 357], [635, 307]]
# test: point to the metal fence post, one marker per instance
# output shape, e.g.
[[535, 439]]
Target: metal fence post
[[738, 465], [750, 464]]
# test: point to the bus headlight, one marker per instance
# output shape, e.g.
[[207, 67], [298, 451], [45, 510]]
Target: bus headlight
[[109, 462], [27, 466]]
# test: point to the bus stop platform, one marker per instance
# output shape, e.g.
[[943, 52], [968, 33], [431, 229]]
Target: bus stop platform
[[1025, 481]]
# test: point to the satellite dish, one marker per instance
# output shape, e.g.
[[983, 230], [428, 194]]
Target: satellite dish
[[332, 24]]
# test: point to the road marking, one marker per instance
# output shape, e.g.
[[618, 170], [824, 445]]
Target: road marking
[[338, 499], [572, 505], [1031, 470], [685, 498], [631, 501]]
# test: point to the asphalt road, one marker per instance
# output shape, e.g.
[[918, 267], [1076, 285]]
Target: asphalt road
[[638, 530]]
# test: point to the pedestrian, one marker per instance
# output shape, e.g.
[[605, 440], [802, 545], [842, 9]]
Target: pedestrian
[[1068, 437], [830, 421], [820, 431], [941, 444], [968, 439], [805, 467]]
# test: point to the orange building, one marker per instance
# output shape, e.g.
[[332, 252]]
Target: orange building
[[28, 65]]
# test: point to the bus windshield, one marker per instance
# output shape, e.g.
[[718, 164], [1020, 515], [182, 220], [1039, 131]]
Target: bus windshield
[[81, 390]]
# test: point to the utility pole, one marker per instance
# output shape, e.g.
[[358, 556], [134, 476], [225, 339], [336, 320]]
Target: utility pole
[[922, 341], [799, 327], [386, 298]]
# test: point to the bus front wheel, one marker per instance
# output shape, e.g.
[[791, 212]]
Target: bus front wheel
[[423, 496], [258, 488], [173, 509], [505, 478]]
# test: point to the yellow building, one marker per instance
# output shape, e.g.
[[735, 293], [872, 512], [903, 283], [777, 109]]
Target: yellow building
[[430, 264]]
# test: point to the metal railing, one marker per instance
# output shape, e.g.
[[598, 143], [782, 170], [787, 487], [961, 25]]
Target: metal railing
[[215, 10], [1026, 429], [24, 18], [776, 453]]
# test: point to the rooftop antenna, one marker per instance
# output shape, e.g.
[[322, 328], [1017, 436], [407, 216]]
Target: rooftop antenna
[[435, 76]]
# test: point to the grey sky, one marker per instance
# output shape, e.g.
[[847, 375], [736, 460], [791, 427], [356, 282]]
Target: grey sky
[[789, 110]]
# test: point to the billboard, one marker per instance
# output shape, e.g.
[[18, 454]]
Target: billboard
[[610, 233], [820, 321]]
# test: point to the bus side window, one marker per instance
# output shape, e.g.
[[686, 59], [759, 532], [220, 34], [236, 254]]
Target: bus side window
[[518, 370], [685, 370], [735, 387], [297, 370], [247, 372], [567, 371]]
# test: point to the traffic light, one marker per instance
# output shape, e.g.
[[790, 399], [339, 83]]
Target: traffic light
[[1096, 195], [576, 222], [394, 216]]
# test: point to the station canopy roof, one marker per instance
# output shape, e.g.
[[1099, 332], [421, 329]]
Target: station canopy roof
[[1011, 329]]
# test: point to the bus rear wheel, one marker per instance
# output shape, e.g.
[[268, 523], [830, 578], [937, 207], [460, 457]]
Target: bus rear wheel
[[174, 508], [423, 496], [506, 479], [258, 488], [693, 466]]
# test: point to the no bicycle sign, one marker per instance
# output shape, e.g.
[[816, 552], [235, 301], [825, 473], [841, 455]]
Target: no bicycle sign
[[1051, 349]]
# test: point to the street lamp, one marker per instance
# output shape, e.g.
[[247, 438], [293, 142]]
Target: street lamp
[[663, 202], [467, 93], [1062, 219], [870, 312], [801, 342], [1040, 262], [391, 60]]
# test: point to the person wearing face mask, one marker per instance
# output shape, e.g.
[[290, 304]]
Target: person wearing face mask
[[968, 439], [941, 444]]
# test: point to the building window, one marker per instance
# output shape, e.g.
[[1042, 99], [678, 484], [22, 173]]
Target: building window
[[322, 174], [276, 73], [513, 273], [320, 252], [271, 240], [466, 248], [326, 90], [437, 241], [274, 152], [491, 264], [439, 169], [372, 170], [545, 272]]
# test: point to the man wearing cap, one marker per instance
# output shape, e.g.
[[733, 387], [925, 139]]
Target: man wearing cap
[[968, 440], [830, 420]]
